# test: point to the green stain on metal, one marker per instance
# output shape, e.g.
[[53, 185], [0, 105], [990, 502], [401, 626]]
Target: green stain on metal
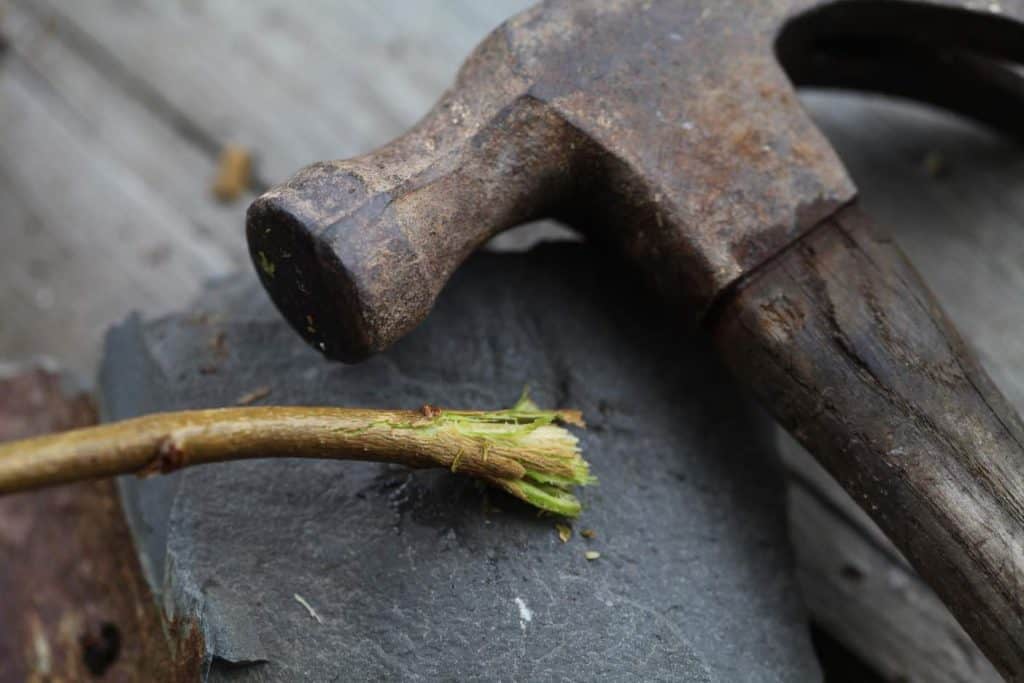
[[266, 265]]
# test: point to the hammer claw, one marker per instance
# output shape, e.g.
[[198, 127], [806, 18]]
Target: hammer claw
[[964, 62]]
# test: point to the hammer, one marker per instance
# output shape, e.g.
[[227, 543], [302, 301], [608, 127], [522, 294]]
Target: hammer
[[669, 132]]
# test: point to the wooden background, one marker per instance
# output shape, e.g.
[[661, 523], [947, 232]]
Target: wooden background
[[113, 113]]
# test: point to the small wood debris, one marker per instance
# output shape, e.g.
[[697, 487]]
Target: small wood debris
[[564, 532], [588, 533], [253, 396], [572, 417], [234, 169], [309, 608], [591, 555]]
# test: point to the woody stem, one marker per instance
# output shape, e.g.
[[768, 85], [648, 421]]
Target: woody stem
[[521, 450]]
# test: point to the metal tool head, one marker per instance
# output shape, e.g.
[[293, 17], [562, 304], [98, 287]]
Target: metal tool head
[[668, 130]]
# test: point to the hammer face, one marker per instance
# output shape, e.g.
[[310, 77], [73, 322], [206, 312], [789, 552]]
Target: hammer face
[[308, 284]]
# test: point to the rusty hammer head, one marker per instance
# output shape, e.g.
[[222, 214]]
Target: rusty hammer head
[[666, 129]]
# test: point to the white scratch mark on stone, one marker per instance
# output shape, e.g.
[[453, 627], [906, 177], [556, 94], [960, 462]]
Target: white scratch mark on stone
[[309, 608], [525, 613]]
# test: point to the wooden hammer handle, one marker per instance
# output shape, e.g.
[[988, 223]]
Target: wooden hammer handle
[[842, 341]]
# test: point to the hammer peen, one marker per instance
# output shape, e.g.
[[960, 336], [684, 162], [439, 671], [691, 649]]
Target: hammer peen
[[669, 132]]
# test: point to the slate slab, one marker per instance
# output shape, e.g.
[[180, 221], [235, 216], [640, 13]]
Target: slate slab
[[430, 576]]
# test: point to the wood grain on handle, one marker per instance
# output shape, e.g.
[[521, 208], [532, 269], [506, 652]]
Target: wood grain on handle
[[841, 340]]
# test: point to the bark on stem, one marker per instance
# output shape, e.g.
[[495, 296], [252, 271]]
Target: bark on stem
[[521, 450]]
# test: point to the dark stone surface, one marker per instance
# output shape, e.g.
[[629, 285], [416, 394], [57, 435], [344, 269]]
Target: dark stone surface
[[426, 575]]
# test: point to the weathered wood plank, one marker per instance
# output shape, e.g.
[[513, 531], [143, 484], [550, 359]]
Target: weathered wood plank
[[169, 162], [874, 606], [93, 241], [295, 83]]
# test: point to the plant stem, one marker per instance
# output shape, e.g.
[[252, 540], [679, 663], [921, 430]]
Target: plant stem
[[521, 450]]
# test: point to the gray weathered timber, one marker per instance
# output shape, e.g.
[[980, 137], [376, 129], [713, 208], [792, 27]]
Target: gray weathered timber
[[59, 228], [290, 82], [72, 77], [873, 603], [425, 575]]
